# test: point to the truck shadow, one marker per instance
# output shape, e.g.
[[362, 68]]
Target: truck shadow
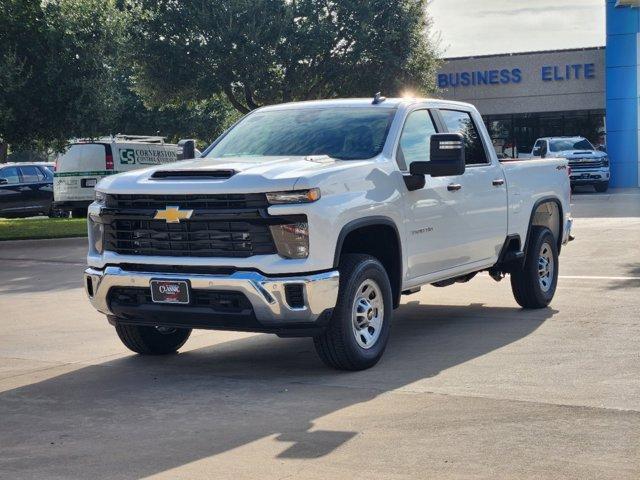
[[138, 416]]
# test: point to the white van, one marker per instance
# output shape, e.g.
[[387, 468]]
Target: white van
[[85, 162]]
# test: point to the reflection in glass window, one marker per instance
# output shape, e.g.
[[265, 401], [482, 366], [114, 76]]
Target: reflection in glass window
[[461, 122], [31, 174], [342, 133], [415, 139], [10, 174]]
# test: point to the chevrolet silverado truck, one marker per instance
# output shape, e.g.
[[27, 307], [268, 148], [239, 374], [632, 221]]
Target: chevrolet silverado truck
[[314, 218], [588, 166]]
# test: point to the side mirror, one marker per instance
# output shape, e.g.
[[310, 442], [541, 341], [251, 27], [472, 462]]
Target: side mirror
[[186, 149], [537, 151], [446, 159], [3, 181]]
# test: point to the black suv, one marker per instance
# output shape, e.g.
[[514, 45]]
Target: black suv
[[26, 189]]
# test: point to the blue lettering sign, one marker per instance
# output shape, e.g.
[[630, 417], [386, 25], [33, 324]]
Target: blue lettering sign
[[575, 71], [548, 73], [479, 77]]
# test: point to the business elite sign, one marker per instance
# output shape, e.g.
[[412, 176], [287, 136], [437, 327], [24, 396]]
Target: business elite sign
[[547, 73]]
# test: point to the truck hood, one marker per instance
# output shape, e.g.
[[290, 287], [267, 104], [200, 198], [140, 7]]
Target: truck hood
[[569, 154], [245, 175]]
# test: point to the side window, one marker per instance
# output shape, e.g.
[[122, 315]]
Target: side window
[[10, 174], [415, 138], [30, 174], [461, 122]]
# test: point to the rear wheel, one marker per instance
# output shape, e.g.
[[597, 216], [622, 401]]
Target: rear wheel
[[535, 283], [152, 340], [359, 328], [601, 187]]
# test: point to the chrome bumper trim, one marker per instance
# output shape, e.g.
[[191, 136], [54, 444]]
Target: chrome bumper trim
[[266, 294]]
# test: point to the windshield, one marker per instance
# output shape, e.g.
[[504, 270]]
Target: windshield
[[569, 144], [342, 133]]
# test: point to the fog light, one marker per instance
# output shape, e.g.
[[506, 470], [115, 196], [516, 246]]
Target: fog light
[[292, 240]]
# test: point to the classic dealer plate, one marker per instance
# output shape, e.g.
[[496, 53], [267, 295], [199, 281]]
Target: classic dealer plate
[[169, 291]]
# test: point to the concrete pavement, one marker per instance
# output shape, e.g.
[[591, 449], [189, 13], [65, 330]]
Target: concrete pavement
[[469, 387]]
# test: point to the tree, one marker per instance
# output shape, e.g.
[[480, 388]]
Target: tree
[[64, 74], [257, 52]]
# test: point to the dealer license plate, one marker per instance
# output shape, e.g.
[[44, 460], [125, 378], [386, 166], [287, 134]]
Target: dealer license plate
[[169, 291]]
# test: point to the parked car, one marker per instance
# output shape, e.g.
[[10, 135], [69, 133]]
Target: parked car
[[312, 219], [26, 189], [85, 162], [589, 166]]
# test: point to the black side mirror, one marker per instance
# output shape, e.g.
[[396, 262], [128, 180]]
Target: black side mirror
[[3, 181], [446, 159], [186, 149], [537, 151]]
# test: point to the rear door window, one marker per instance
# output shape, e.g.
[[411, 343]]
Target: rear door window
[[11, 175], [462, 123], [31, 174]]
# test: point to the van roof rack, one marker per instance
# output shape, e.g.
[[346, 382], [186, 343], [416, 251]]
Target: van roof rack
[[141, 138]]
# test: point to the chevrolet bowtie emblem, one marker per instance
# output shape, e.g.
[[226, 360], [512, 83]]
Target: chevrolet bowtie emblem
[[173, 214]]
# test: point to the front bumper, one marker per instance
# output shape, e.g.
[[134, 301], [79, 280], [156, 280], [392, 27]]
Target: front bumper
[[590, 176], [267, 296]]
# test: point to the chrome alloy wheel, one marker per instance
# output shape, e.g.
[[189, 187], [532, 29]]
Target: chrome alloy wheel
[[368, 314], [545, 267]]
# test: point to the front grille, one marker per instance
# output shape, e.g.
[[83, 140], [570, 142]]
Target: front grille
[[576, 164], [208, 202], [219, 301], [190, 238]]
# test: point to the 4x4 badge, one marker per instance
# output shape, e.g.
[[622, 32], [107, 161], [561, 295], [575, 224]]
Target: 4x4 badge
[[173, 214]]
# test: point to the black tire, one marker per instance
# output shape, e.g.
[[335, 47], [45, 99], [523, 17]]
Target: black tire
[[337, 346], [601, 187], [79, 213], [525, 282], [151, 341]]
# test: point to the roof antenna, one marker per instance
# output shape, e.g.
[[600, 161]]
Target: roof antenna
[[377, 98]]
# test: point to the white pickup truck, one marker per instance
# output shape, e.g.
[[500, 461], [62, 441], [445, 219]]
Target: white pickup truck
[[312, 219], [588, 166]]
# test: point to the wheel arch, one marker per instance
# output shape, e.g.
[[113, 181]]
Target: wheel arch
[[546, 212], [379, 237]]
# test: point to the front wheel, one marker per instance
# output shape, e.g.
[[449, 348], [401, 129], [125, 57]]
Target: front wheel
[[534, 284], [152, 340], [601, 187], [357, 334]]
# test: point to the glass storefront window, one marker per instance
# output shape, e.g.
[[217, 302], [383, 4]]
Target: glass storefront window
[[515, 134]]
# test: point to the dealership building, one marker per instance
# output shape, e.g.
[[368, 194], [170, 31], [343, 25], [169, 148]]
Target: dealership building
[[592, 92]]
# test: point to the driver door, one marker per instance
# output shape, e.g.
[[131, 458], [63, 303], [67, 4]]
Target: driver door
[[434, 213]]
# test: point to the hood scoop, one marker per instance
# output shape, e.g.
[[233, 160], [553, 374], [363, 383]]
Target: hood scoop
[[193, 174]]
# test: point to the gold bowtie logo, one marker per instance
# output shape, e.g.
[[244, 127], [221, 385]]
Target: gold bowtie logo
[[173, 214]]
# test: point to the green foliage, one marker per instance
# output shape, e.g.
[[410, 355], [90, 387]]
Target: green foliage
[[31, 228], [64, 73], [267, 51], [85, 68]]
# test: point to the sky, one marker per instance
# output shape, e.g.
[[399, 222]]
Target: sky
[[481, 27]]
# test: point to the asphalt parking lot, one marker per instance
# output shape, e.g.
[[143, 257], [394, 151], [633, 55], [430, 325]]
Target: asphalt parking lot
[[470, 386]]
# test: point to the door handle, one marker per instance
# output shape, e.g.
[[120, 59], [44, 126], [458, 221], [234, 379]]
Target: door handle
[[454, 187], [497, 182]]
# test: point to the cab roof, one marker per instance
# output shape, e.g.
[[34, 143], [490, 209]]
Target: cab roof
[[360, 103]]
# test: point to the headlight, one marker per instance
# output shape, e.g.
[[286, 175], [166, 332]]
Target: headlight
[[294, 196], [292, 240], [96, 234], [101, 198], [605, 161]]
